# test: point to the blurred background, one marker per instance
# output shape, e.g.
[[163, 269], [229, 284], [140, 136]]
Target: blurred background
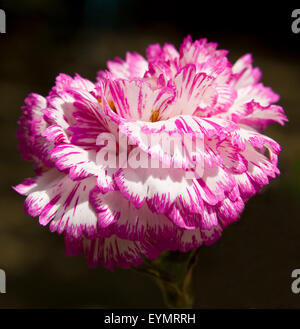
[[251, 265]]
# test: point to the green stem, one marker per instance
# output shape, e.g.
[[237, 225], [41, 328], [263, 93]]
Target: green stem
[[173, 271]]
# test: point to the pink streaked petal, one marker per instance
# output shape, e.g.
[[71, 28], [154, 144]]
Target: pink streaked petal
[[136, 99], [226, 97], [199, 51], [258, 92], [106, 211], [37, 192], [33, 145], [214, 183], [152, 136], [57, 199], [168, 192], [259, 166], [79, 161], [211, 236], [229, 211], [73, 245], [255, 115], [245, 185], [64, 82], [60, 110], [87, 127], [189, 240], [24, 188], [73, 213], [154, 186], [192, 90], [135, 66], [231, 157], [55, 133], [243, 72], [87, 102], [112, 252], [217, 67], [126, 220], [256, 139], [166, 53]]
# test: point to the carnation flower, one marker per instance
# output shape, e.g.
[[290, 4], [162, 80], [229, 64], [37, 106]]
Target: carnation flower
[[121, 214]]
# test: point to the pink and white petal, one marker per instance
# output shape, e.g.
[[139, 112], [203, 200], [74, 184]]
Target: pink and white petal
[[170, 52], [260, 153], [105, 207], [73, 246], [88, 105], [36, 190], [211, 236], [214, 183], [193, 52], [154, 137], [169, 192], [245, 185], [209, 219], [135, 66], [154, 52], [136, 99], [243, 72], [79, 162], [166, 53], [24, 188], [32, 145], [159, 187], [68, 107], [260, 168], [34, 103], [257, 140], [56, 134], [231, 157], [218, 67], [41, 150], [91, 117], [73, 213], [88, 128], [159, 73], [60, 109], [57, 199], [128, 221], [259, 117], [189, 240], [229, 211], [118, 68], [192, 90], [114, 251], [226, 97], [64, 82], [258, 92]]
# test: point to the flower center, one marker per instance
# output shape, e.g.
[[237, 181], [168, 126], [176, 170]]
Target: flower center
[[154, 116], [110, 103], [112, 106]]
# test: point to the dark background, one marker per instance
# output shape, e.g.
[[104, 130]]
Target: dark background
[[251, 265]]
